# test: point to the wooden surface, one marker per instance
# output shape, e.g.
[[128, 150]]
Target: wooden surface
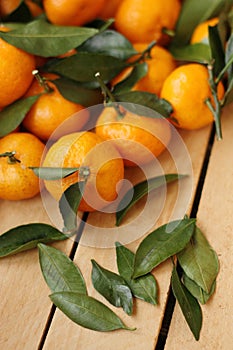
[[215, 218], [25, 307]]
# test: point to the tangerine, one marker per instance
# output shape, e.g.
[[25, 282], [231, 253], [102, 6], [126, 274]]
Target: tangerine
[[138, 139], [160, 65], [110, 8], [145, 20], [16, 68], [72, 12], [187, 88], [201, 32], [17, 181], [86, 149], [9, 6], [50, 110]]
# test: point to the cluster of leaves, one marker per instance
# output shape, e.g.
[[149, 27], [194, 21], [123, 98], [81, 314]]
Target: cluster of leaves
[[195, 268], [216, 53]]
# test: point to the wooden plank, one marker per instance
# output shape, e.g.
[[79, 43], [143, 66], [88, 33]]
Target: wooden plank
[[147, 318], [216, 220], [24, 306]]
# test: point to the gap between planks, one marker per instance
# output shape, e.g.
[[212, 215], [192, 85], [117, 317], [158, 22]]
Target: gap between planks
[[71, 256], [171, 301]]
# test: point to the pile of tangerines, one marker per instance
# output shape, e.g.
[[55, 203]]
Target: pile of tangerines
[[184, 85]]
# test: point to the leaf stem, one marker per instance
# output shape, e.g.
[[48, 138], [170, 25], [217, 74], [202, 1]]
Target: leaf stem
[[223, 71], [216, 111], [144, 54]]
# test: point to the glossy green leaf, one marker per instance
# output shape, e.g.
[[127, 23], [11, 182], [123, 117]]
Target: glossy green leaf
[[59, 271], [145, 287], [199, 53], [109, 42], [147, 99], [78, 93], [87, 312], [140, 190], [41, 38], [69, 203], [188, 304], [83, 66], [12, 115], [26, 237], [197, 291], [217, 51], [162, 243], [192, 13], [112, 286], [49, 173], [138, 72], [199, 261]]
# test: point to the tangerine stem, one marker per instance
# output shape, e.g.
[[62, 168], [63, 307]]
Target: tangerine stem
[[105, 90], [42, 81], [108, 95], [11, 157]]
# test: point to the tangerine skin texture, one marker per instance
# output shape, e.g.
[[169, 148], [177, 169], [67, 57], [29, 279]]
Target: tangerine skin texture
[[17, 182], [16, 68], [187, 89], [143, 20], [138, 139], [51, 110], [72, 12], [89, 150], [160, 65]]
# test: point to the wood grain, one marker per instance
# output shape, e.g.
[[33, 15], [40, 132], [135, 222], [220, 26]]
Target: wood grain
[[215, 218], [25, 305]]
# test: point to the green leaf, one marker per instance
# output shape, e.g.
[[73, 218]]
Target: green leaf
[[69, 203], [113, 287], [76, 92], [49, 173], [12, 115], [41, 38], [199, 261], [109, 42], [26, 237], [83, 66], [162, 243], [87, 311], [138, 72], [199, 53], [192, 13], [138, 191], [59, 271], [217, 51], [188, 304], [145, 287], [147, 99], [197, 291]]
